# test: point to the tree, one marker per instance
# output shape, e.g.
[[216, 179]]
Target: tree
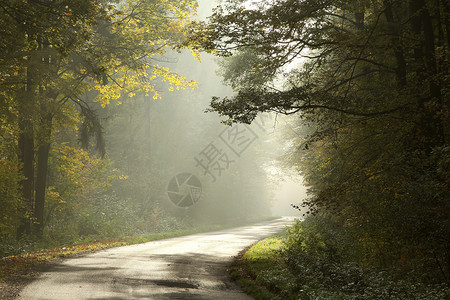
[[38, 34], [58, 53], [369, 78]]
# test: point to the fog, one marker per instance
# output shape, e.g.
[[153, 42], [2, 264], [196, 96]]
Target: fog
[[236, 169], [113, 139]]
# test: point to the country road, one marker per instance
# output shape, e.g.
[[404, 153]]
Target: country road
[[189, 267]]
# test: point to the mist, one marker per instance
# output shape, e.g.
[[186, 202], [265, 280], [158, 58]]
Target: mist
[[173, 135]]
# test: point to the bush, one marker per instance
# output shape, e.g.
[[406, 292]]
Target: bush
[[327, 264]]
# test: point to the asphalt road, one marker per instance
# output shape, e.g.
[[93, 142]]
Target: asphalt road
[[189, 267]]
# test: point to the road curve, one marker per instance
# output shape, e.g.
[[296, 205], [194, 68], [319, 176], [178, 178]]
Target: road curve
[[188, 267]]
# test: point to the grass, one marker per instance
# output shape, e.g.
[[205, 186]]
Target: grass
[[261, 271]]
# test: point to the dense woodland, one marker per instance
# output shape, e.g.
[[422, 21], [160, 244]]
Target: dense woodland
[[59, 60], [367, 82], [96, 118], [90, 104]]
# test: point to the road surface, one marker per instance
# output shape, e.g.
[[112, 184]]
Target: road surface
[[189, 267]]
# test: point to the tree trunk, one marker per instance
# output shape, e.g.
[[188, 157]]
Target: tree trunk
[[358, 7], [431, 127], [42, 173], [26, 158], [400, 69], [26, 153]]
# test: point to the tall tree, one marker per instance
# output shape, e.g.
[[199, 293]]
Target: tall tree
[[63, 51], [369, 78]]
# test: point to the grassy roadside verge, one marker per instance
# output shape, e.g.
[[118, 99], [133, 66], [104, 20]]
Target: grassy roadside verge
[[297, 264], [260, 270]]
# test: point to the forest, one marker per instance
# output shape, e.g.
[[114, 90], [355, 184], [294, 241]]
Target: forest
[[96, 97], [367, 83], [103, 102]]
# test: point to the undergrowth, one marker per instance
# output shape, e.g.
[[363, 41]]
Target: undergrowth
[[312, 260]]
